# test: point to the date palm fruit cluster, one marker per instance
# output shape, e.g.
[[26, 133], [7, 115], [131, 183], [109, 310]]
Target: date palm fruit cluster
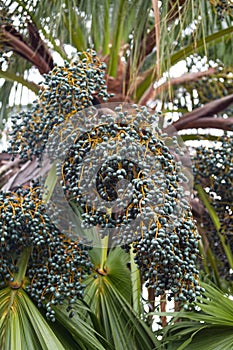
[[108, 153], [57, 266], [209, 88], [167, 259], [150, 211], [66, 91], [213, 169], [223, 7], [215, 164], [135, 195]]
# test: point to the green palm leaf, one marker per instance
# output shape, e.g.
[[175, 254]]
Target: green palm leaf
[[108, 294], [184, 52], [211, 328], [21, 324], [83, 327]]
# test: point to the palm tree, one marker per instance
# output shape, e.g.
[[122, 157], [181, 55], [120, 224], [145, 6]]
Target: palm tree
[[144, 44]]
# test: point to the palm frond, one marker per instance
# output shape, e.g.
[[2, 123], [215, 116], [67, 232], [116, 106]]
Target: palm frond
[[4, 98], [84, 327], [210, 328], [21, 324], [108, 294], [171, 60]]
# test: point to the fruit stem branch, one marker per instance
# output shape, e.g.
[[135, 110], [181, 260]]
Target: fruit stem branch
[[22, 268], [136, 284], [104, 251]]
